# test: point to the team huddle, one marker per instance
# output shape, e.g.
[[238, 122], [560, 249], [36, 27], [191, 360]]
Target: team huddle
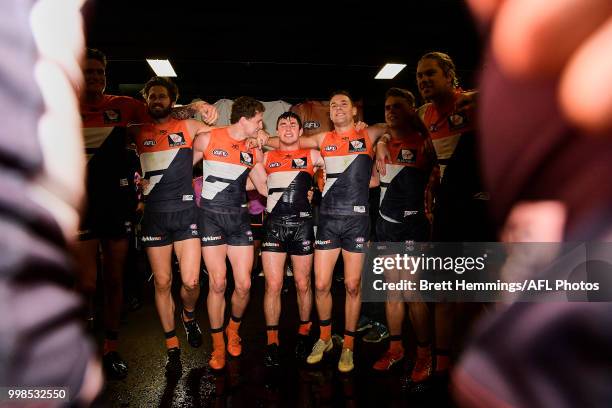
[[409, 156]]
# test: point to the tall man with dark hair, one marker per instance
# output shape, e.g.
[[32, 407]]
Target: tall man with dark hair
[[170, 219], [407, 182], [288, 174], [224, 219], [110, 194], [344, 224]]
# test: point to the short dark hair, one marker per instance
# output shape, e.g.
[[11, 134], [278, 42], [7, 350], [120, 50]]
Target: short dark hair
[[161, 81], [341, 92], [289, 115], [446, 64], [247, 107], [95, 54], [401, 93]]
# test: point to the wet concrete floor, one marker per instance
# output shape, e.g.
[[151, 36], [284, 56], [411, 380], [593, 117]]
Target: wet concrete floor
[[245, 382]]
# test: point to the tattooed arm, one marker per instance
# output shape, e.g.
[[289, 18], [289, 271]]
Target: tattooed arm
[[209, 112]]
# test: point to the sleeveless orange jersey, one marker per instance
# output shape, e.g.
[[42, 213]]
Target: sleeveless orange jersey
[[167, 162], [348, 167], [110, 172], [226, 166], [290, 175], [402, 188], [446, 128], [107, 120]]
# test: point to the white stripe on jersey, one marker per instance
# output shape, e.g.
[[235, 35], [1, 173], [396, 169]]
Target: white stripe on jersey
[[384, 217], [223, 170], [153, 161], [392, 171], [445, 147], [280, 179], [336, 164], [94, 137]]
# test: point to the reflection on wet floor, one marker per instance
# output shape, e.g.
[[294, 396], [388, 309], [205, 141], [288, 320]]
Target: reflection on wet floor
[[245, 381]]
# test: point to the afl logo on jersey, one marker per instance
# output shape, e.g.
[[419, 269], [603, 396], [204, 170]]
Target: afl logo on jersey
[[176, 139], [311, 124], [330, 148], [112, 116], [299, 163], [407, 156], [149, 142], [358, 145], [274, 165], [246, 158], [220, 153]]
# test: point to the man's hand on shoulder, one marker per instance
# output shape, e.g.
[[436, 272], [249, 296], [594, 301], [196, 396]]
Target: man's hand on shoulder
[[208, 112]]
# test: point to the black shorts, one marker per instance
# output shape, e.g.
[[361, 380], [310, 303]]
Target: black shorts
[[294, 238], [164, 228], [349, 232], [417, 229], [105, 223], [257, 221], [225, 228]]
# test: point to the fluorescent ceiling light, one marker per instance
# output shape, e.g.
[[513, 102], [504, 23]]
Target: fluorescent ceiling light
[[162, 68], [389, 71]]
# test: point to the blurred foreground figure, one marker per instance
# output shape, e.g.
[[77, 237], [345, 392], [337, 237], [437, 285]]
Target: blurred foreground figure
[[549, 183], [42, 342]]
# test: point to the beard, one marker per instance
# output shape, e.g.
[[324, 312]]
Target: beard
[[158, 114]]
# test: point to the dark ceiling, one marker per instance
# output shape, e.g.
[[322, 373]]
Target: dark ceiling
[[280, 50]]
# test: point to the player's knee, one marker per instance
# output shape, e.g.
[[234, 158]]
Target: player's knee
[[218, 286], [353, 286], [191, 285], [302, 285], [243, 287], [163, 284], [274, 286], [322, 287]]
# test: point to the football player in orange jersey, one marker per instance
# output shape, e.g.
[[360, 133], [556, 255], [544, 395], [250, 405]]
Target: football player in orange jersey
[[288, 175]]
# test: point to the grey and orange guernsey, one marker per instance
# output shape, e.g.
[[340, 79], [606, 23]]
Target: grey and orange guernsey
[[403, 189], [446, 128], [344, 205], [110, 168], [461, 204], [224, 216], [166, 158], [289, 225]]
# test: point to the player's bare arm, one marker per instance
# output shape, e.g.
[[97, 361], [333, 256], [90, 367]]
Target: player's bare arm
[[207, 111]]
